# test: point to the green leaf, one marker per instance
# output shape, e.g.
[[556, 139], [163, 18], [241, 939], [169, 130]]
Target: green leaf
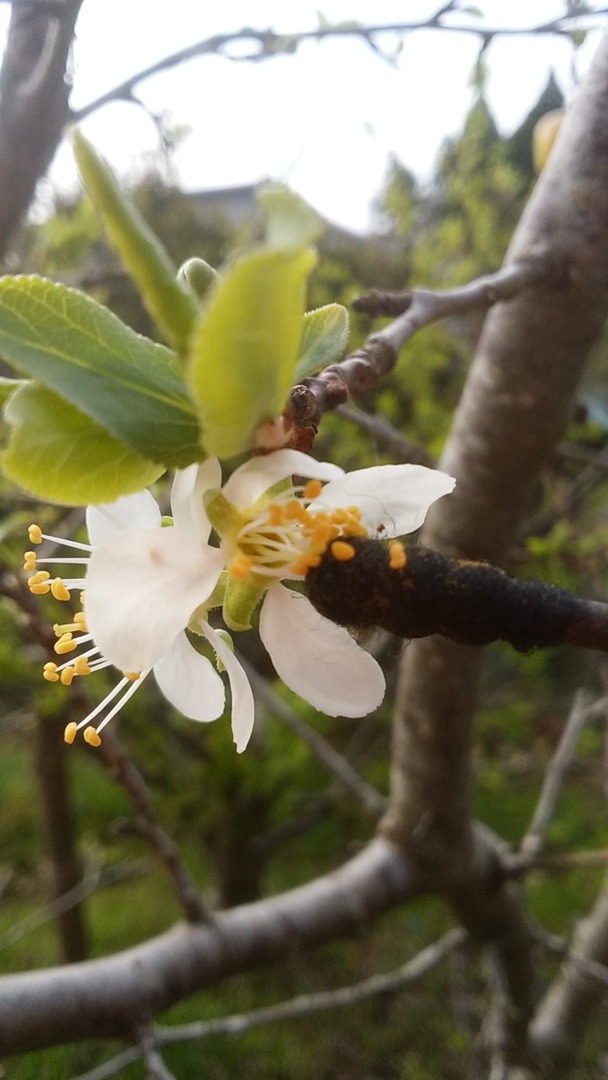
[[125, 383], [170, 304], [324, 337], [7, 386], [244, 348], [58, 454], [290, 222]]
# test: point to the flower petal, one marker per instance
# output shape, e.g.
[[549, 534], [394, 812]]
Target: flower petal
[[141, 589], [190, 682], [317, 659], [243, 705], [393, 499], [187, 497], [253, 478], [108, 519]]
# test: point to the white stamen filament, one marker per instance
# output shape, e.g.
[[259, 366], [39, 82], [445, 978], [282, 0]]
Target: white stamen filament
[[120, 685]]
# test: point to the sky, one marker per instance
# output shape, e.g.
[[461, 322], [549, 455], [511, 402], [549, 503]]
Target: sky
[[325, 120]]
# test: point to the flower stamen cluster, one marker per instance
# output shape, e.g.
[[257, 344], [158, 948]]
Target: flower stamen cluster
[[288, 538], [41, 583]]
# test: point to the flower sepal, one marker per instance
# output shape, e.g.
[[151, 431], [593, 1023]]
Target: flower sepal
[[223, 515], [241, 599]]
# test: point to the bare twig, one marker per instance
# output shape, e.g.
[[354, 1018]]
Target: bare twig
[[303, 1005], [534, 840], [96, 879], [308, 1004], [130, 778], [569, 1004], [374, 803], [359, 373], [155, 1066], [385, 435], [267, 44], [516, 866]]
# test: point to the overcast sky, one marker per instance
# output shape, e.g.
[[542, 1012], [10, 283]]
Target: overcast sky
[[324, 120]]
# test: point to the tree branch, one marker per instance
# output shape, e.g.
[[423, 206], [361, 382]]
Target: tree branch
[[113, 996], [267, 44], [34, 96], [360, 372], [335, 763]]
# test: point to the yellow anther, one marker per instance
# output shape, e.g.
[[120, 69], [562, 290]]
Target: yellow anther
[[353, 529], [67, 628], [81, 666], [65, 645], [294, 511], [91, 737], [313, 489], [39, 577], [67, 676], [79, 618], [59, 590], [275, 514], [39, 588], [323, 532], [239, 566], [304, 563], [341, 516], [70, 733], [133, 676], [34, 534], [342, 551], [49, 672], [397, 556], [29, 561]]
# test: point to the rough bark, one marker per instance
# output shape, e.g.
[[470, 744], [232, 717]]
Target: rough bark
[[34, 93]]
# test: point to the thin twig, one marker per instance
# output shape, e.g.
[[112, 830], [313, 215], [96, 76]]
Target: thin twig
[[303, 1005], [518, 866], [371, 799], [385, 435], [129, 777], [93, 881], [360, 372], [308, 1004], [581, 711], [155, 1066], [267, 44]]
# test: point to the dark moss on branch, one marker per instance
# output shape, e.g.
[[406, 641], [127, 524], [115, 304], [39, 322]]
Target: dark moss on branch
[[469, 602]]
